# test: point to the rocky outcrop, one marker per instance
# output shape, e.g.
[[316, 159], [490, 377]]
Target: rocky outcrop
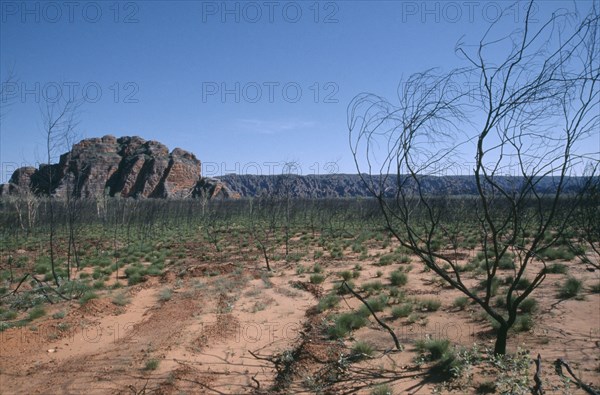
[[212, 188], [181, 176], [126, 166], [134, 167], [353, 185], [22, 177]]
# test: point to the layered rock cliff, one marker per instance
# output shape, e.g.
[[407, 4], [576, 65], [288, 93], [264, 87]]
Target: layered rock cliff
[[353, 185], [126, 166], [134, 167]]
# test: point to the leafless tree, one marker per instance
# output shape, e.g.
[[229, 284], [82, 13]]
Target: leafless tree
[[265, 215], [59, 123], [72, 201], [284, 192], [25, 204], [586, 221], [528, 113]]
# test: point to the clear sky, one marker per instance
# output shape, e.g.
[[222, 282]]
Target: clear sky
[[243, 85]]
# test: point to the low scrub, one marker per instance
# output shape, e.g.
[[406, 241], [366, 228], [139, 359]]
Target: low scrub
[[506, 263], [523, 283], [433, 349], [36, 312], [396, 293], [563, 254], [151, 364], [570, 288], [460, 302], [121, 299], [429, 304], [346, 275], [87, 296], [362, 350], [523, 323], [59, 315], [557, 268], [402, 311], [165, 294], [382, 389], [372, 286], [341, 289], [529, 305], [328, 302], [345, 323], [398, 278], [386, 260], [376, 304]]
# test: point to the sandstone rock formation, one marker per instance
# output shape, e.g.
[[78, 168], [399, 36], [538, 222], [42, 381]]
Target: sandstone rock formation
[[326, 186], [213, 188], [134, 167], [126, 166]]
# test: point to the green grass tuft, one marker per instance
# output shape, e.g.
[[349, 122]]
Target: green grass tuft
[[377, 304], [372, 286], [523, 283], [460, 302], [398, 278], [429, 304], [341, 289], [434, 348], [346, 275], [121, 299], [570, 288], [362, 350], [345, 323], [152, 364], [36, 312], [382, 389], [59, 315], [86, 297], [165, 294], [402, 311], [328, 302], [557, 268], [523, 323], [529, 305]]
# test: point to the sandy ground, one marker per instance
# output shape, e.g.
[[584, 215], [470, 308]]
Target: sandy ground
[[243, 331]]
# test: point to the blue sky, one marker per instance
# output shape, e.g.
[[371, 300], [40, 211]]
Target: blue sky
[[223, 79]]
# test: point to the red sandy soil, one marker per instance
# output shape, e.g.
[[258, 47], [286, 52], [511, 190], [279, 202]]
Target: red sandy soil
[[223, 333]]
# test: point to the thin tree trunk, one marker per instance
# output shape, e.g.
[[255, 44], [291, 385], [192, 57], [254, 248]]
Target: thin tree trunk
[[52, 259]]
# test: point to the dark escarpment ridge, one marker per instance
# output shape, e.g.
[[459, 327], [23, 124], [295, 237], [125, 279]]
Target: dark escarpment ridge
[[355, 185], [133, 167], [125, 166]]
